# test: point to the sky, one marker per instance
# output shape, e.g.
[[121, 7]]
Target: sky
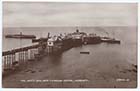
[[42, 14]]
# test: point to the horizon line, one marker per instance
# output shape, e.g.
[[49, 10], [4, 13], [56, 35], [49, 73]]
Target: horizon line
[[67, 26]]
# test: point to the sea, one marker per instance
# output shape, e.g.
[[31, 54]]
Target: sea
[[126, 51]]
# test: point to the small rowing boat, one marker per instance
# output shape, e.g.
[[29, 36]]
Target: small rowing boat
[[84, 52]]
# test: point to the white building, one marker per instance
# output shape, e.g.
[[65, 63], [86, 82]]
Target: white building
[[50, 42]]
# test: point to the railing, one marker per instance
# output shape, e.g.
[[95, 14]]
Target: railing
[[17, 57]]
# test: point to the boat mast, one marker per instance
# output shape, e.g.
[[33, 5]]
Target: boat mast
[[113, 34]]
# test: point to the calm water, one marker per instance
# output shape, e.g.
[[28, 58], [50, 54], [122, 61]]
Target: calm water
[[126, 51]]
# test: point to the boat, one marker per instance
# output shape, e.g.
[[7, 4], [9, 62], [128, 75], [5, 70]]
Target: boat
[[110, 40], [38, 40], [92, 39], [114, 41], [84, 52], [20, 36], [77, 38]]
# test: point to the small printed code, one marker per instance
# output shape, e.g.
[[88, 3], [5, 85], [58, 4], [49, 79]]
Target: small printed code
[[122, 80]]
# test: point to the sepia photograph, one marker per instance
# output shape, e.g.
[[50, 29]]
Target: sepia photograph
[[69, 45]]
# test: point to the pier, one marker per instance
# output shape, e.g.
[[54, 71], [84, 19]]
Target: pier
[[15, 58], [18, 57]]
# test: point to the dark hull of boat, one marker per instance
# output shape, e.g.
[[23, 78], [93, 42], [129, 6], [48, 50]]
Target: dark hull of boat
[[38, 40], [84, 52], [67, 44], [21, 36], [92, 40], [112, 41], [77, 42]]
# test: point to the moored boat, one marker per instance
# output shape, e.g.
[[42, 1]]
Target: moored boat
[[20, 36], [92, 39], [110, 40], [77, 38]]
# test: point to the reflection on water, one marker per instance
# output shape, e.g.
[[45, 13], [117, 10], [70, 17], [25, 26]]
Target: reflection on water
[[55, 59], [103, 59]]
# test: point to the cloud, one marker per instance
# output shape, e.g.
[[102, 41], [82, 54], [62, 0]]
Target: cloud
[[29, 14]]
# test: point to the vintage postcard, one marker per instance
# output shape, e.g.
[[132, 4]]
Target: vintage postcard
[[69, 45]]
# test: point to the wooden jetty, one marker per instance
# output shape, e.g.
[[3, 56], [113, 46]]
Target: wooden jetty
[[17, 57], [46, 46]]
